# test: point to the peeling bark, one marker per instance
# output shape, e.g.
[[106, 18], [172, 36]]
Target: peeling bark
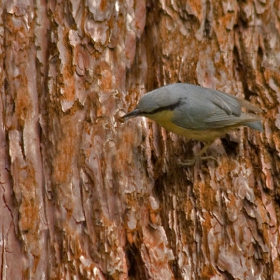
[[85, 195]]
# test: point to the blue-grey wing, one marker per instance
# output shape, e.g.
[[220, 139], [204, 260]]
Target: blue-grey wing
[[226, 102], [231, 104], [211, 111], [220, 120], [193, 113]]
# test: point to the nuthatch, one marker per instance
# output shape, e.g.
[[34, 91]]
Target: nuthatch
[[196, 113]]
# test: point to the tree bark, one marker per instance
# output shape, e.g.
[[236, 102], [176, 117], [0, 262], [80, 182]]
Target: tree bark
[[84, 196]]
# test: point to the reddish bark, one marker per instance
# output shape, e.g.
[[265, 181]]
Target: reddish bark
[[85, 195]]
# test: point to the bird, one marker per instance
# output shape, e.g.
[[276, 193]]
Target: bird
[[196, 112]]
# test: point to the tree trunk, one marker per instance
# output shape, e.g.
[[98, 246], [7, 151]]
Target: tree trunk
[[84, 196]]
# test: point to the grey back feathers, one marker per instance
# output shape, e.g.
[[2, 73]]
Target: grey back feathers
[[199, 108]]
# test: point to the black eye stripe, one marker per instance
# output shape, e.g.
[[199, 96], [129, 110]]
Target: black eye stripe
[[165, 108]]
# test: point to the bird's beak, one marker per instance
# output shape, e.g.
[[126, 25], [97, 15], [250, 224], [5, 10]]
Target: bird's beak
[[132, 114]]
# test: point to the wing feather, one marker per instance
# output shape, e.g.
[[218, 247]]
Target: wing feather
[[222, 120], [224, 101]]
